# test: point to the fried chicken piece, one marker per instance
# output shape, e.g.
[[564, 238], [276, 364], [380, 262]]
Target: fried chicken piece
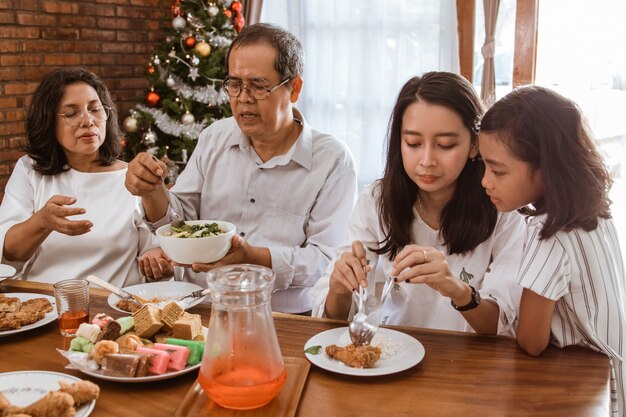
[[128, 305], [363, 356], [4, 403], [10, 304], [11, 323], [53, 404], [36, 305], [81, 391]]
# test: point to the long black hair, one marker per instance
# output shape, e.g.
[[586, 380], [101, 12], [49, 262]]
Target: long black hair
[[42, 145], [546, 130], [469, 217]]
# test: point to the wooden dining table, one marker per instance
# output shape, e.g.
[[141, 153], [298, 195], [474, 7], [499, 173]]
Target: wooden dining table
[[461, 374]]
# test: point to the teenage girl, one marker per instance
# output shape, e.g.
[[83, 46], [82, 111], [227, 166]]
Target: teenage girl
[[541, 160], [429, 223]]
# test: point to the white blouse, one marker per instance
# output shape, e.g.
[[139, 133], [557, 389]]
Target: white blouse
[[109, 251], [491, 268], [584, 273]]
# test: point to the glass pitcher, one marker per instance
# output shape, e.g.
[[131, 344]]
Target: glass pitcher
[[242, 367]]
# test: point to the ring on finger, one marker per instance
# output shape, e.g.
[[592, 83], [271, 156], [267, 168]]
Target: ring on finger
[[425, 256]]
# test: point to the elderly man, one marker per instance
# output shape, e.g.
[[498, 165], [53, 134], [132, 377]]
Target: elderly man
[[287, 187]]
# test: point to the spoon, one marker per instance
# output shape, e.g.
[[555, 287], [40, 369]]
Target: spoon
[[117, 291], [178, 221]]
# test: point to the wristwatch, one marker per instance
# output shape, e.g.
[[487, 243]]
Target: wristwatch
[[472, 304]]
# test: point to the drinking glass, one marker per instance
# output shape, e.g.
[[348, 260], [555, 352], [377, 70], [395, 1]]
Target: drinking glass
[[72, 300]]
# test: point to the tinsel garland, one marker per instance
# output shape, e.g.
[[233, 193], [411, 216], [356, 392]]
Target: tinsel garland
[[206, 94], [173, 127]]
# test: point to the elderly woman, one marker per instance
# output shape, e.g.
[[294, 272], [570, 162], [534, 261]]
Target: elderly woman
[[66, 212]]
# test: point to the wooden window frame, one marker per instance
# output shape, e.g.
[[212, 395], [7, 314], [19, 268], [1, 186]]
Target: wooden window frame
[[525, 52]]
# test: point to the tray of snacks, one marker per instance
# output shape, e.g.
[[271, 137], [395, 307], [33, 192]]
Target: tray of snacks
[[151, 345]]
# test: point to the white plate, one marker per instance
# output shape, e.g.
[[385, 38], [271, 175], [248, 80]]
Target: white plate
[[23, 296], [6, 271], [409, 353], [161, 289], [26, 387], [149, 378]]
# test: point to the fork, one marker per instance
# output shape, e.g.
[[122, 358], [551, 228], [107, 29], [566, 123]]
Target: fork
[[195, 294], [361, 332]]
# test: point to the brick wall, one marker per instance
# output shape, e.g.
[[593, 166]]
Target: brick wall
[[112, 38]]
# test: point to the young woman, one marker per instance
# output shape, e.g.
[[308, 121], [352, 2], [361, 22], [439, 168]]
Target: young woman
[[429, 223], [65, 212], [541, 159]]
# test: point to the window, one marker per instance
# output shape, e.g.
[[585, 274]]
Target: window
[[358, 55], [589, 67]]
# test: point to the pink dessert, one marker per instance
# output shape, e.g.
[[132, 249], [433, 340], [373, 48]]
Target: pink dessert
[[101, 320], [178, 355], [158, 360]]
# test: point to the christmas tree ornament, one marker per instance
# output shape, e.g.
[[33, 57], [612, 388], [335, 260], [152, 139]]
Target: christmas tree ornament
[[193, 73], [176, 11], [172, 53], [203, 49], [190, 41], [130, 124], [156, 60], [238, 22], [213, 10], [195, 61], [149, 138], [153, 98], [228, 13], [188, 118], [236, 6], [150, 70], [179, 23], [123, 142], [194, 21], [169, 81]]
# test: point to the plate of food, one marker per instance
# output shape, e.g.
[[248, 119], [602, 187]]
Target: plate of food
[[158, 294], [7, 271], [151, 345], [52, 393], [20, 312], [389, 352]]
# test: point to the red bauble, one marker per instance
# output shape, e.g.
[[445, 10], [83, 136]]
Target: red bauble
[[176, 10], [153, 98], [238, 22], [236, 6], [190, 42], [150, 69], [228, 13], [123, 142]]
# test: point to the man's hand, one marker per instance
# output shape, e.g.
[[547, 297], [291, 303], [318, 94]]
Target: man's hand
[[145, 175], [240, 252]]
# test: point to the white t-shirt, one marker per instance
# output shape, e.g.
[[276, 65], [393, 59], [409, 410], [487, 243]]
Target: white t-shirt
[[584, 273], [109, 250], [491, 268]]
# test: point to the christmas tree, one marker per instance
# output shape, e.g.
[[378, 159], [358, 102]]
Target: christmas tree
[[185, 75]]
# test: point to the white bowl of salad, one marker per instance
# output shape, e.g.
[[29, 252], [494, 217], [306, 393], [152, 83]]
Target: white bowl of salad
[[197, 241]]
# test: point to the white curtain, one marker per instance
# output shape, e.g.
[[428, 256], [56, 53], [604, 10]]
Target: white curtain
[[358, 55], [488, 90]]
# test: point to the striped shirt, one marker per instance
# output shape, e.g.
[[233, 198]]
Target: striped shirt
[[584, 273]]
